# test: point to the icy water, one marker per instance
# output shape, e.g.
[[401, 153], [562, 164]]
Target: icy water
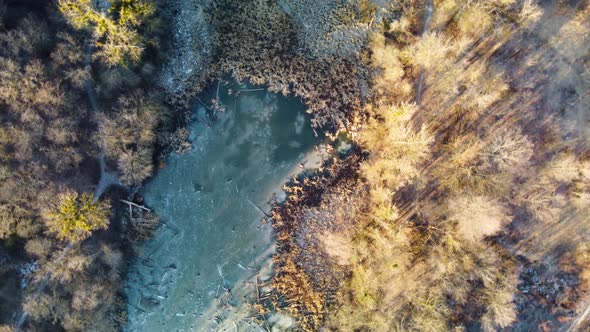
[[192, 274]]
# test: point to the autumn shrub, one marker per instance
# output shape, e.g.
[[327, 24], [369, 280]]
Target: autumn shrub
[[484, 85], [477, 216], [509, 150], [25, 42], [582, 257], [400, 284], [81, 295], [111, 256], [15, 220], [111, 80], [39, 247], [500, 310], [474, 20], [68, 56], [128, 135], [130, 125], [43, 119], [389, 70], [142, 225], [396, 149], [380, 264], [530, 13], [39, 307], [135, 166], [67, 268], [430, 52]]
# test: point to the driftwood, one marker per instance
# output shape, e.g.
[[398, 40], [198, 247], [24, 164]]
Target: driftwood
[[580, 319], [131, 205], [217, 94], [136, 307], [259, 209], [153, 291], [203, 103], [257, 291], [250, 90], [136, 205], [206, 123]]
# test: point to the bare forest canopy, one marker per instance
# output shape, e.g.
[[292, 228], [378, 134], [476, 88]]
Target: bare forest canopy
[[466, 207], [76, 103], [463, 204]]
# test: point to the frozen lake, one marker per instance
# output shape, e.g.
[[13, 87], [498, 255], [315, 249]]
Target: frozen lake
[[213, 238]]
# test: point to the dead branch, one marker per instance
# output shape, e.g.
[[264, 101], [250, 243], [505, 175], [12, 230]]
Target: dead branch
[[250, 90], [203, 103], [136, 205], [217, 94], [259, 209], [257, 291], [202, 121]]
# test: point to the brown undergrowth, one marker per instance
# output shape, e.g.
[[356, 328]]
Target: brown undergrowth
[[300, 295], [257, 41]]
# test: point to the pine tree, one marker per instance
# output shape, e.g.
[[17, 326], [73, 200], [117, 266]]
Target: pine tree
[[116, 33], [74, 217]]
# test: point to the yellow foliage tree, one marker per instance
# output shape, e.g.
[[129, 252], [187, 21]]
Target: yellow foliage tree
[[133, 12], [396, 149], [431, 52], [75, 217], [474, 21], [116, 33], [385, 59]]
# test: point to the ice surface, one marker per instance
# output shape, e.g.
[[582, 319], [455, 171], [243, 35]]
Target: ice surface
[[213, 237]]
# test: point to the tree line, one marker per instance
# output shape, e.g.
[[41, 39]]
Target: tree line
[[474, 170], [64, 248]]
